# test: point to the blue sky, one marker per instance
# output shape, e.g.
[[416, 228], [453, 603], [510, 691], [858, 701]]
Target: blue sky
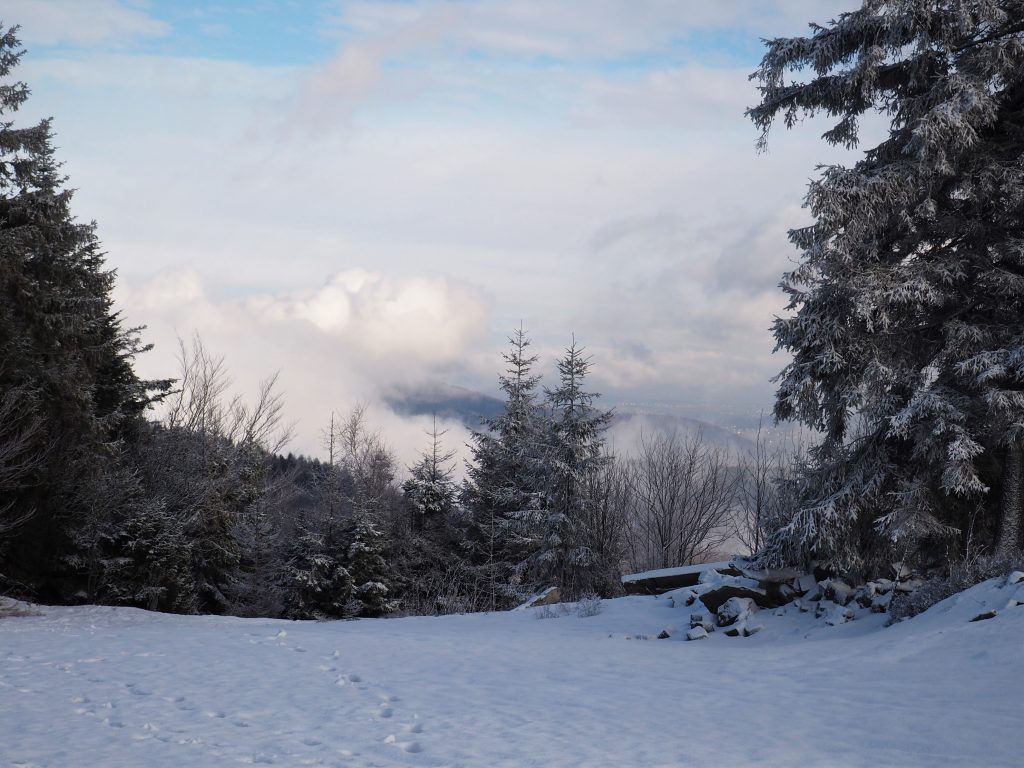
[[371, 195]]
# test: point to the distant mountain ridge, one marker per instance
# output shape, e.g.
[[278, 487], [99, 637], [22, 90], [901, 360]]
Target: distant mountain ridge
[[471, 408]]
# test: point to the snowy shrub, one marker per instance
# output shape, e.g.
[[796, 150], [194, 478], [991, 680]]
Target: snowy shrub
[[962, 576], [588, 605], [546, 612]]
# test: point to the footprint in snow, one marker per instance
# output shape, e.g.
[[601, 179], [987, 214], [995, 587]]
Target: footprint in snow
[[405, 746], [414, 728], [386, 712]]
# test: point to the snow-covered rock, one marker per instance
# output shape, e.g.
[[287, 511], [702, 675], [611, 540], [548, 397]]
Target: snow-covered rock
[[838, 591], [733, 610], [549, 596], [702, 621], [666, 579]]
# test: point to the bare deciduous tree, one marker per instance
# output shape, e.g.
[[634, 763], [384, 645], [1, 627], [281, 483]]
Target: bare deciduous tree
[[680, 496], [761, 498], [368, 462]]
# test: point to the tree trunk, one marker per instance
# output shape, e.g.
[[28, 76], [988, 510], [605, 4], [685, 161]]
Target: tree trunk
[[1009, 525]]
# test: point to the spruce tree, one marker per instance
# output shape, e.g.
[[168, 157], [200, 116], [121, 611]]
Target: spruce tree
[[574, 458], [430, 488], [316, 583], [65, 359], [907, 305], [504, 491], [372, 578]]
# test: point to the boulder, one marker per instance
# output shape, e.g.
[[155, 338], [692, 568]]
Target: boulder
[[984, 616], [702, 621], [664, 635], [864, 596], [908, 585], [880, 603], [882, 586], [718, 595], [549, 596], [734, 610], [805, 583], [838, 591], [697, 633], [840, 615], [1015, 578], [782, 593]]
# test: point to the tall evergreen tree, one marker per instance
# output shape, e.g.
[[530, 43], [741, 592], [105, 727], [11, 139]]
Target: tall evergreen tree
[[574, 458], [65, 359], [372, 578], [907, 324], [504, 490], [316, 583]]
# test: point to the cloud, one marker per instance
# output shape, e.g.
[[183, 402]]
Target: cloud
[[574, 30], [455, 168], [350, 340], [410, 50], [85, 23], [425, 320]]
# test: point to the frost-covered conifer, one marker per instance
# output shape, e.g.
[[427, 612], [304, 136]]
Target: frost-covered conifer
[[574, 456], [371, 576], [430, 488], [316, 584], [505, 484], [66, 376], [907, 323]]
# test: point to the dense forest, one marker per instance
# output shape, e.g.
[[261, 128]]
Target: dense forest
[[904, 328]]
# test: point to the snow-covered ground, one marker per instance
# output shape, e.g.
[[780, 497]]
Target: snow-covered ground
[[98, 687]]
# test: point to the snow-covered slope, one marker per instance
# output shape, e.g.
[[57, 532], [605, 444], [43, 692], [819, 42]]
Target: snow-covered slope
[[120, 687]]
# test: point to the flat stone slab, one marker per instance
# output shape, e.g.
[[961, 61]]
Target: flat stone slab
[[667, 579]]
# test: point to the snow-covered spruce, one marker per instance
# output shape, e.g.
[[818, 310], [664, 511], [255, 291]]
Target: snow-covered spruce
[[907, 324]]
